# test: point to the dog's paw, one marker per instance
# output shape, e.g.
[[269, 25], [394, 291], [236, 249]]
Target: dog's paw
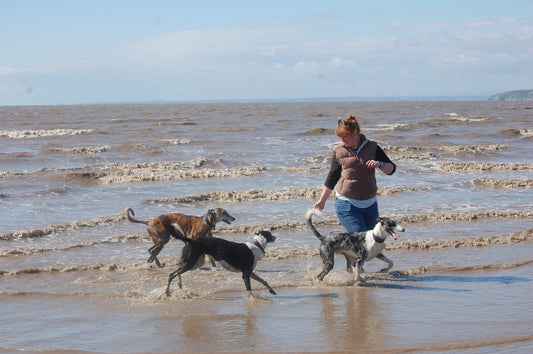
[[396, 274], [254, 296]]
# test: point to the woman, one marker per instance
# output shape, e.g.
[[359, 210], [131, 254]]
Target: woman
[[352, 174]]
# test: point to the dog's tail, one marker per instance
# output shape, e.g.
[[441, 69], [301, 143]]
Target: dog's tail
[[308, 218], [129, 214]]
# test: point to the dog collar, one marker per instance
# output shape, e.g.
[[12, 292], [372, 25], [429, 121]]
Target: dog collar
[[259, 245], [377, 239], [206, 219]]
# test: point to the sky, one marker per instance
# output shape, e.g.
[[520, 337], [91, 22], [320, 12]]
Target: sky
[[84, 52]]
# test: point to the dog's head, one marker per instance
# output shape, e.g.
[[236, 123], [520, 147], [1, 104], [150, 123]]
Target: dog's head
[[390, 226], [217, 215], [267, 235]]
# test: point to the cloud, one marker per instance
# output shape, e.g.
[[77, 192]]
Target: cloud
[[13, 70], [427, 44], [306, 66], [209, 44], [339, 63], [293, 60]]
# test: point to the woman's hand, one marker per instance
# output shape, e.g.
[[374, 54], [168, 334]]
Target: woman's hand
[[323, 197], [320, 205], [372, 164], [385, 167]]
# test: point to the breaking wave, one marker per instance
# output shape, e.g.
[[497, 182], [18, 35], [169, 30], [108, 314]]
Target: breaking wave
[[452, 148], [262, 195], [19, 134], [527, 133], [61, 227], [513, 238], [490, 183], [65, 269], [319, 131], [178, 141], [484, 166], [80, 149], [124, 173], [390, 127], [448, 119], [425, 269], [117, 173]]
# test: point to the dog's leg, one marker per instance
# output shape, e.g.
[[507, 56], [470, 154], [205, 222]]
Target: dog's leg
[[184, 266], [246, 278], [154, 251], [211, 259], [358, 270], [189, 258], [349, 261], [171, 277], [200, 262], [328, 261], [160, 239], [258, 278], [386, 260], [152, 257]]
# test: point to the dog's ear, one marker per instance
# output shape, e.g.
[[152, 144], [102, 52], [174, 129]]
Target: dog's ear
[[380, 220], [267, 235]]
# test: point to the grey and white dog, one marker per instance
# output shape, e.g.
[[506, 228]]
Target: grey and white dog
[[359, 246]]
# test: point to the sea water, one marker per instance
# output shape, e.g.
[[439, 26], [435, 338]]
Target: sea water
[[73, 270]]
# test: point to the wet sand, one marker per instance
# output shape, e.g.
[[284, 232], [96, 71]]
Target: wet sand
[[413, 309]]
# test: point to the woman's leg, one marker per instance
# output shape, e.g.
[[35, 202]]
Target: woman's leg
[[371, 215], [351, 218]]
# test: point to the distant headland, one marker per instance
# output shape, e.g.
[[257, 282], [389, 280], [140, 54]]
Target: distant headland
[[516, 95]]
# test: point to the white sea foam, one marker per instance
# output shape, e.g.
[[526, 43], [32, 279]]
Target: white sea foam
[[178, 141], [19, 134], [389, 127], [469, 120], [81, 149], [528, 133]]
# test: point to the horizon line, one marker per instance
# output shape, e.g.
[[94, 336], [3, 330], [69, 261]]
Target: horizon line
[[280, 100]]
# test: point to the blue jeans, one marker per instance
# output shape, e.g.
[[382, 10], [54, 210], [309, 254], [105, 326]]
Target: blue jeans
[[356, 219]]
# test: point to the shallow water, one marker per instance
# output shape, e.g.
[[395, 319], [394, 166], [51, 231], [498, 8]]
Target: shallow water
[[73, 271]]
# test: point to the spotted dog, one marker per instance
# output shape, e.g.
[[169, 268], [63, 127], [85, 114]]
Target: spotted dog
[[359, 246]]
